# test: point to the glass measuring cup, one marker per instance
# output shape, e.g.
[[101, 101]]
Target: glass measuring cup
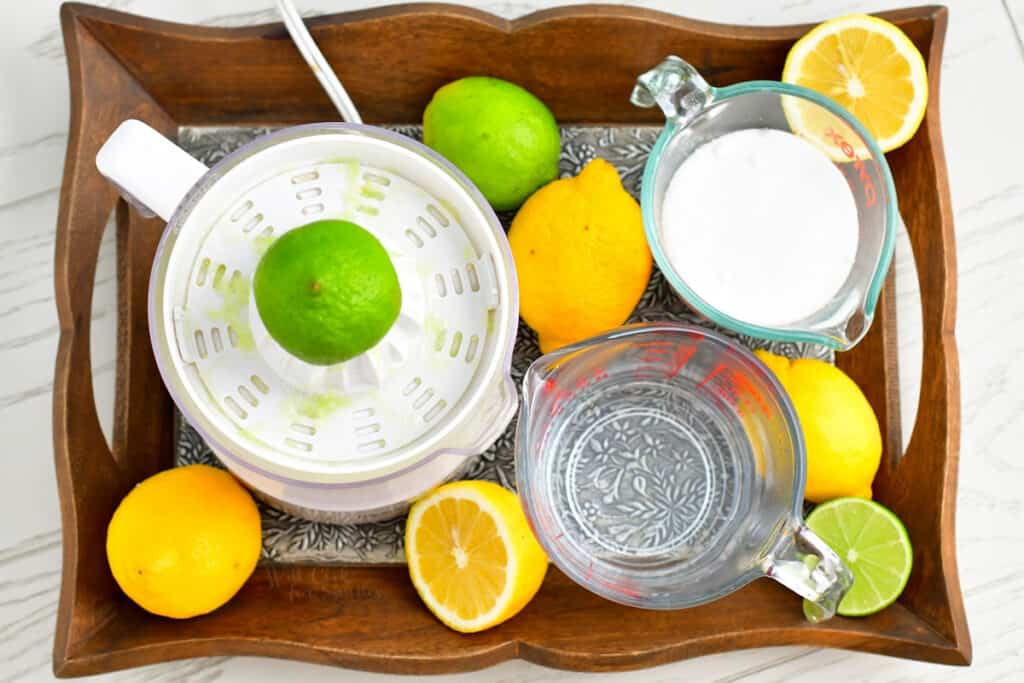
[[662, 466], [697, 113]]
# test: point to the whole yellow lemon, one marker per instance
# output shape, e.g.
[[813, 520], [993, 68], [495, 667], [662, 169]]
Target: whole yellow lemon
[[581, 256], [183, 542], [844, 442]]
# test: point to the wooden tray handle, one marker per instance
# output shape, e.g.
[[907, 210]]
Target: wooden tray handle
[[88, 470], [933, 449]]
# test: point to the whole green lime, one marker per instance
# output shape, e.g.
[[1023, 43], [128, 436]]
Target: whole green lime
[[327, 291], [500, 135]]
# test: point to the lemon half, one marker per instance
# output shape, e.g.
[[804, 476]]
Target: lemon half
[[870, 67], [472, 555]]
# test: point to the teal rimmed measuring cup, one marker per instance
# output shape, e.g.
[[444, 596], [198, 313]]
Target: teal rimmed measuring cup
[[697, 113]]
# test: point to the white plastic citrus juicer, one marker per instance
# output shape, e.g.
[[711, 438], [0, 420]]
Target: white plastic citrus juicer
[[358, 440]]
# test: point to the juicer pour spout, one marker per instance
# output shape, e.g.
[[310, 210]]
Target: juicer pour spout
[[151, 172]]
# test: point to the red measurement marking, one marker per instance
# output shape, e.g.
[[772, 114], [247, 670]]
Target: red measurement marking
[[711, 375], [560, 399], [714, 389], [723, 387], [865, 180], [680, 358], [735, 389], [870, 195], [746, 390], [563, 396], [654, 354]]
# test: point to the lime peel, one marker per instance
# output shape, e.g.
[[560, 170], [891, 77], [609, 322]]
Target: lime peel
[[880, 556]]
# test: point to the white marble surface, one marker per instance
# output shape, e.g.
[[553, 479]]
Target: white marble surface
[[982, 104]]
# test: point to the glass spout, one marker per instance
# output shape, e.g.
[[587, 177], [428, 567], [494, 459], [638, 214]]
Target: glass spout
[[676, 87]]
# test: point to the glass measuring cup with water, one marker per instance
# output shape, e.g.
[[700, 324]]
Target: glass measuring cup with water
[[697, 113], [662, 466]]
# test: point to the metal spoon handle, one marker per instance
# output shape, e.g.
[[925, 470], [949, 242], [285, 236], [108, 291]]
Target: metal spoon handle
[[321, 69]]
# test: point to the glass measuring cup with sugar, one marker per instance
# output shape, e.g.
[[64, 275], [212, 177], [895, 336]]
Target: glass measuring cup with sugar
[[769, 208], [662, 466]]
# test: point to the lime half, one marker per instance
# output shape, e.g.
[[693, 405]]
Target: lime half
[[873, 543]]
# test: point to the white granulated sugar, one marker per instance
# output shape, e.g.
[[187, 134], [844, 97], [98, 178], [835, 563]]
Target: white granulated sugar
[[760, 225]]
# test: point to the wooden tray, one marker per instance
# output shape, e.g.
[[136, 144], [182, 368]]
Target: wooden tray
[[582, 61]]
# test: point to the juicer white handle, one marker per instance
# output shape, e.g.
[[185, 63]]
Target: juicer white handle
[[151, 172]]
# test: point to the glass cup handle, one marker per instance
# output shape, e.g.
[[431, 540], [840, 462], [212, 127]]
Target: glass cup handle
[[676, 87], [822, 584]]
